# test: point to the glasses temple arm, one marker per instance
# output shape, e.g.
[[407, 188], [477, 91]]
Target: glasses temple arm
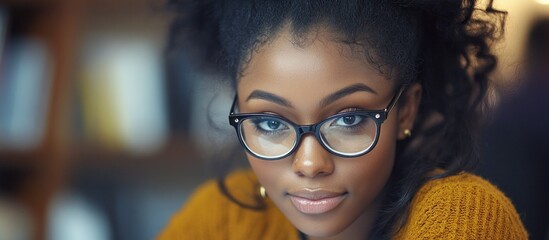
[[395, 98], [233, 105]]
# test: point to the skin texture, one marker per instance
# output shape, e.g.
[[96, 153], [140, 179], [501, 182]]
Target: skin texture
[[303, 75]]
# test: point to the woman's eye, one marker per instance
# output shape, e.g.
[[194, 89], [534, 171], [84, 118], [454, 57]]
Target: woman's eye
[[271, 125], [347, 121]]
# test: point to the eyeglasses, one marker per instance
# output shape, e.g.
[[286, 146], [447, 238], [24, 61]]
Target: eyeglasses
[[348, 134]]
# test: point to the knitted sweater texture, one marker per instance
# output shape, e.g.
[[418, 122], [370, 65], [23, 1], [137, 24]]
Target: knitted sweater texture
[[458, 207]]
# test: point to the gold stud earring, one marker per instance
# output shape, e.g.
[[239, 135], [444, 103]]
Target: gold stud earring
[[262, 192], [407, 132]]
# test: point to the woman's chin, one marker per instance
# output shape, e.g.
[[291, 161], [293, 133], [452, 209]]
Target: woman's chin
[[319, 226], [320, 231]]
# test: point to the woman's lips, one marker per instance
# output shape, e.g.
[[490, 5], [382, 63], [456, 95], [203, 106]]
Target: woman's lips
[[316, 201]]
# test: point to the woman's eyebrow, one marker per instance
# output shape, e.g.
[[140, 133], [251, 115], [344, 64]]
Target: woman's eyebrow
[[271, 97], [359, 87], [259, 94]]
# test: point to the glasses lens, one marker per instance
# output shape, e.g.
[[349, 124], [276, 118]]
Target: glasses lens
[[350, 134], [268, 137]]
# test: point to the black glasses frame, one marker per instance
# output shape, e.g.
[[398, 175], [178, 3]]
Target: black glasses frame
[[379, 116]]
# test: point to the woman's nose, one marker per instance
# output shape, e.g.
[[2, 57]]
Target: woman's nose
[[311, 159]]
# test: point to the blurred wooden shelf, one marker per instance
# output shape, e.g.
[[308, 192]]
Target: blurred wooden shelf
[[91, 154], [40, 172]]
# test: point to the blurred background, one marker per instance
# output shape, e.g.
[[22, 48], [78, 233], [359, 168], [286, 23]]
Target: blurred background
[[104, 134]]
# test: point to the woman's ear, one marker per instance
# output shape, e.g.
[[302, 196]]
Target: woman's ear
[[407, 111]]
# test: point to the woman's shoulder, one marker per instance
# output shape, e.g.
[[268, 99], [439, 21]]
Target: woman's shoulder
[[462, 206], [210, 214]]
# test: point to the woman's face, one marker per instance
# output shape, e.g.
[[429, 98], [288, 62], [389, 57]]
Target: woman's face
[[321, 194]]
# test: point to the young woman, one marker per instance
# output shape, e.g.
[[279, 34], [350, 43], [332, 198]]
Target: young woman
[[357, 118]]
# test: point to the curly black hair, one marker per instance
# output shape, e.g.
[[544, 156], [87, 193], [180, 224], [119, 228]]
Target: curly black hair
[[445, 45]]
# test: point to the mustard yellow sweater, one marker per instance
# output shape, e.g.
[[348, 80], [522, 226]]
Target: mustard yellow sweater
[[457, 207]]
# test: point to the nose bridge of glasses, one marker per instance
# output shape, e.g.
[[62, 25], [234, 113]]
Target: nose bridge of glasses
[[304, 129], [308, 129]]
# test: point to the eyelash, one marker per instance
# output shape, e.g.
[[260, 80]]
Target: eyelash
[[259, 129]]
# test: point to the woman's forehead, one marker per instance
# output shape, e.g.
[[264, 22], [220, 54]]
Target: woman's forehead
[[318, 61]]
